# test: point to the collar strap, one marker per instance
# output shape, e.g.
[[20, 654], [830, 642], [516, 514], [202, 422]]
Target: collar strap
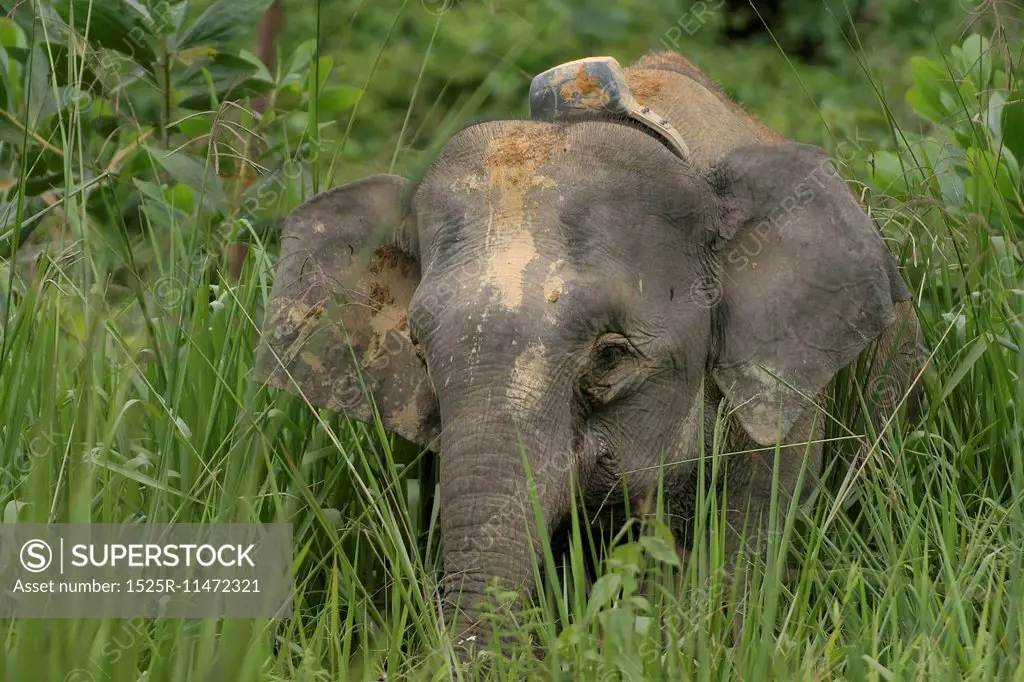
[[588, 88]]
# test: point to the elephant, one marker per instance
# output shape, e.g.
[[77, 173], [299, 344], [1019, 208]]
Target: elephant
[[570, 302]]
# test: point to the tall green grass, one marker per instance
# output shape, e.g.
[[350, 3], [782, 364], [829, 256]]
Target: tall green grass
[[126, 394]]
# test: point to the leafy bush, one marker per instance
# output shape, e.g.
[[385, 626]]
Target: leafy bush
[[126, 122], [956, 195]]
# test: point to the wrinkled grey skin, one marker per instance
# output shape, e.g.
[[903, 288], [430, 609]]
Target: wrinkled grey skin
[[579, 293]]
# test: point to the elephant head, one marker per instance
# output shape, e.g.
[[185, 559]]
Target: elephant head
[[575, 297]]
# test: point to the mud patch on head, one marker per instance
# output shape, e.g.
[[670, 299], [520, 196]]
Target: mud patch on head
[[553, 286], [506, 268], [513, 158], [513, 162], [529, 379]]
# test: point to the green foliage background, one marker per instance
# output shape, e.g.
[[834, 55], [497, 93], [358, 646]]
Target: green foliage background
[[133, 165], [503, 44]]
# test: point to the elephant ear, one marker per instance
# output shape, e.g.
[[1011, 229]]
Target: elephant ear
[[806, 282], [336, 328]]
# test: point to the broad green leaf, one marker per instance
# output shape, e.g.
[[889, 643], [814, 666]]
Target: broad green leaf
[[196, 54], [8, 32], [180, 197], [56, 54], [996, 176], [12, 509], [262, 72], [222, 22], [149, 189], [38, 89], [41, 103], [222, 68], [1012, 116], [994, 116], [602, 593], [37, 13], [250, 87], [945, 165], [164, 17], [335, 100], [1009, 164], [968, 97], [976, 60], [194, 173], [302, 57], [325, 64], [626, 556], [18, 54], [642, 605], [619, 626], [921, 105], [887, 174], [163, 218], [951, 102], [155, 206], [296, 122], [929, 81], [289, 97], [196, 126], [176, 16], [112, 24], [660, 550], [233, 76]]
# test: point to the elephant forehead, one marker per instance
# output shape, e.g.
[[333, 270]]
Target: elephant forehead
[[517, 190], [534, 210]]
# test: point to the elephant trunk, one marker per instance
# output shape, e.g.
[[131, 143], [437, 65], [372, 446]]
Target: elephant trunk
[[488, 523]]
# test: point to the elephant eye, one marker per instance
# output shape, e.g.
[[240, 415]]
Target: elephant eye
[[613, 370]]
